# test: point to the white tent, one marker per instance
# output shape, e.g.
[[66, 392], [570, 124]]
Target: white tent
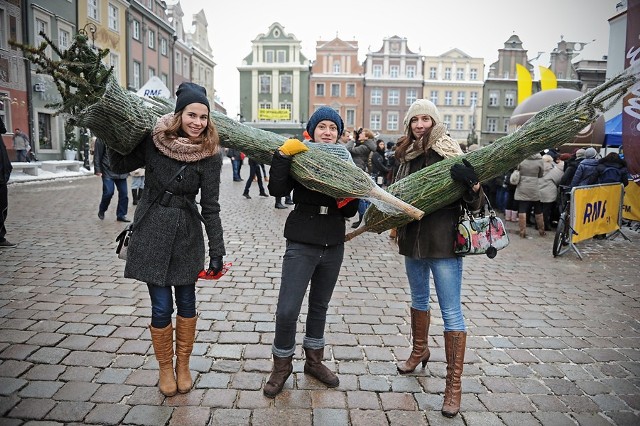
[[154, 87]]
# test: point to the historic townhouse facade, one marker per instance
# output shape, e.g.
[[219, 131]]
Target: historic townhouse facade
[[202, 64], [181, 50], [453, 82], [337, 80], [393, 80], [274, 83]]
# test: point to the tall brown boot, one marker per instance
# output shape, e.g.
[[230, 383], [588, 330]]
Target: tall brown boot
[[454, 345], [282, 369], [185, 336], [314, 366], [420, 331], [522, 224], [540, 224], [162, 339]]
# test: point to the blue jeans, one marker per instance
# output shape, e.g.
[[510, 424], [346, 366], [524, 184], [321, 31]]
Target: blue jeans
[[162, 303], [108, 188], [21, 155], [447, 277], [235, 164], [303, 263]]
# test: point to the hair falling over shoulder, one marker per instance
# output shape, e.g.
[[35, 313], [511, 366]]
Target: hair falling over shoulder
[[209, 137]]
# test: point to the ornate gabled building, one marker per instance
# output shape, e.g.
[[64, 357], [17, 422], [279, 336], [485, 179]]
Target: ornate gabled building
[[393, 80], [181, 51], [274, 84], [202, 65], [337, 80], [453, 82]]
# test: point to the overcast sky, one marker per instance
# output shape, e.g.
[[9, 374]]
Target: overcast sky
[[477, 27]]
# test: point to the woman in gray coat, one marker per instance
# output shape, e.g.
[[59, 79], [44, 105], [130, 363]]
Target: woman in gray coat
[[528, 193], [181, 157]]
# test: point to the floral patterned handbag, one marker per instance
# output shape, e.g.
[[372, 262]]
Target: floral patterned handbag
[[480, 234]]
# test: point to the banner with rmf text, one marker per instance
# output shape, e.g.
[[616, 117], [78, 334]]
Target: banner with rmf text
[[596, 210], [631, 202]]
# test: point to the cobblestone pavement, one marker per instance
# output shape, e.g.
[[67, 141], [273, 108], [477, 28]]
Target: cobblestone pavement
[[551, 341]]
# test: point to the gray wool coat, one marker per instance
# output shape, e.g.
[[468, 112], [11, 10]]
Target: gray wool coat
[[531, 170], [167, 245]]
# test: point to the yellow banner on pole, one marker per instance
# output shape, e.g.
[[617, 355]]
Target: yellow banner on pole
[[596, 210], [524, 83], [548, 79], [631, 202], [274, 114]]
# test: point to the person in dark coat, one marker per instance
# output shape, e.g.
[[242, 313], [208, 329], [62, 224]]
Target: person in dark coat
[[587, 171], [612, 169], [5, 175], [166, 249], [110, 181], [428, 247], [379, 167], [315, 232]]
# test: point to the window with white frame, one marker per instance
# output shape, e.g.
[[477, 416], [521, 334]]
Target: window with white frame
[[392, 121], [135, 31], [185, 66], [412, 95], [335, 90], [492, 125], [394, 71], [473, 98], [377, 70], [461, 98], [446, 120], [350, 117], [3, 35], [264, 105], [41, 26], [151, 42], [459, 122], [351, 90], [411, 71], [285, 83], [509, 99], [493, 98], [64, 38], [319, 89], [393, 97], [281, 56], [4, 108], [93, 9], [288, 106], [152, 72], [336, 67], [114, 61], [137, 69], [433, 97], [113, 17], [376, 96], [164, 46], [265, 83], [447, 73], [268, 56], [164, 78], [473, 74], [459, 74], [375, 121], [178, 63], [448, 97], [432, 73], [45, 140], [505, 128]]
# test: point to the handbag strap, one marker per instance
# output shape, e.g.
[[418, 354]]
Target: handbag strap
[[164, 188]]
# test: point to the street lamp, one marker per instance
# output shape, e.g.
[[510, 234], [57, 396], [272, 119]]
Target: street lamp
[[89, 29]]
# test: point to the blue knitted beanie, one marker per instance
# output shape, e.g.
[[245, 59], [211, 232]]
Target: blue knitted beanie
[[324, 113]]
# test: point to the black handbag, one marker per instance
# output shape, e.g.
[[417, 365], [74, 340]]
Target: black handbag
[[124, 236]]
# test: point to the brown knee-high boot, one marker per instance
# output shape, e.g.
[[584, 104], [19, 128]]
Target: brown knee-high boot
[[522, 224], [454, 346], [420, 353], [540, 224], [162, 339], [185, 335], [282, 369]]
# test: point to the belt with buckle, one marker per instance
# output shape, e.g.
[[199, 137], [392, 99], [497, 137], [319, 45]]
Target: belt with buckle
[[310, 208]]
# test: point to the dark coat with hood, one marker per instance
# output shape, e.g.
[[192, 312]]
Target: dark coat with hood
[[360, 152], [5, 164], [167, 245], [303, 225]]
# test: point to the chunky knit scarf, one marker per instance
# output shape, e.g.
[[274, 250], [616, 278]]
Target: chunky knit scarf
[[438, 141], [180, 148]]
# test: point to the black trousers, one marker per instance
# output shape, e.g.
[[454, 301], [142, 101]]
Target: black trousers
[[4, 209]]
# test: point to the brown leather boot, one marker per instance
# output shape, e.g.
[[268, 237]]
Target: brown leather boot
[[313, 365], [420, 331], [185, 336], [162, 339], [454, 346], [522, 224], [282, 369], [540, 224]]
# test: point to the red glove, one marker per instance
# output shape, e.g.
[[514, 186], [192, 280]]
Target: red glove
[[341, 202]]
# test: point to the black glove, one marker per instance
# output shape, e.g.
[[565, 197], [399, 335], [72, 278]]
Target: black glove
[[215, 265], [356, 134], [464, 173]]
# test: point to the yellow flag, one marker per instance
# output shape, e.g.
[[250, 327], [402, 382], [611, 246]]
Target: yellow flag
[[524, 83], [547, 79]]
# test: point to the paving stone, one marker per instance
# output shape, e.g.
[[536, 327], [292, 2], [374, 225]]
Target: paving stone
[[13, 368], [76, 391], [368, 418], [234, 417], [148, 415], [219, 398], [7, 403], [553, 418], [9, 385], [70, 411], [291, 398], [363, 400], [48, 355], [111, 393], [40, 389], [107, 414], [505, 402], [406, 418], [79, 374], [274, 416], [213, 380], [330, 417], [187, 416], [32, 408], [146, 395], [397, 401]]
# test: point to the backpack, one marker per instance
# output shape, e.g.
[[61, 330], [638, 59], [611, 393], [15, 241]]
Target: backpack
[[609, 174]]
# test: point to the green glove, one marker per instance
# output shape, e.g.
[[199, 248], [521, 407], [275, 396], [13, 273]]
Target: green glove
[[292, 147]]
